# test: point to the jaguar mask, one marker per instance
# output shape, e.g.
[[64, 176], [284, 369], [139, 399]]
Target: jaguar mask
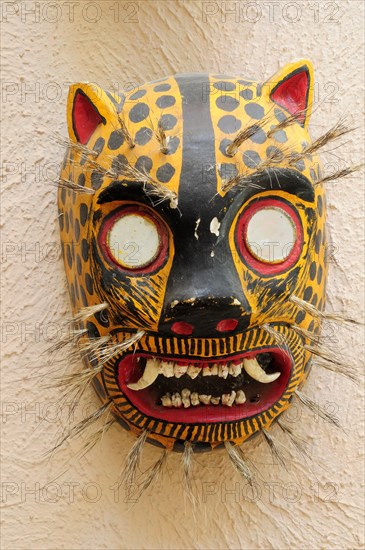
[[192, 222]]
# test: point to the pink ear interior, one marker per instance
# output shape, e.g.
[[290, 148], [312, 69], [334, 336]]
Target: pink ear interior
[[85, 117], [292, 93]]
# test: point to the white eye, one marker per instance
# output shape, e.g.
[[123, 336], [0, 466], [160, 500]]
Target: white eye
[[270, 235], [134, 241]]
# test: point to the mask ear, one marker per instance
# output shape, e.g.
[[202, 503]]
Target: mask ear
[[88, 106], [292, 89]]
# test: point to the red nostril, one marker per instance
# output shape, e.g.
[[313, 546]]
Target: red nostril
[[227, 325], [180, 327]]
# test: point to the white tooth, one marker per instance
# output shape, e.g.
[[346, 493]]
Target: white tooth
[[194, 398], [231, 399], [223, 371], [176, 400], [205, 399], [215, 400], [179, 370], [214, 370], [166, 400], [193, 371], [235, 370], [254, 370], [207, 371], [225, 398], [240, 397], [185, 395], [167, 368], [150, 374]]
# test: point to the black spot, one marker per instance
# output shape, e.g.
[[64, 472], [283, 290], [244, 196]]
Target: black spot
[[223, 146], [224, 86], [168, 121], [280, 116], [313, 271], [77, 229], [61, 220], [227, 103], [92, 330], [300, 165], [318, 241], [254, 110], [139, 112], [115, 140], [118, 163], [245, 82], [71, 216], [319, 274], [228, 170], [300, 317], [165, 101], [280, 136], [81, 180], [63, 195], [99, 144], [311, 326], [84, 212], [308, 293], [85, 250], [314, 300], [68, 256], [138, 94], [165, 173], [259, 136], [89, 284], [143, 136], [274, 153], [102, 317], [143, 164], [83, 297], [77, 289], [320, 205], [78, 264], [162, 88], [173, 144], [96, 180], [246, 94], [72, 294], [251, 159], [67, 222], [229, 124]]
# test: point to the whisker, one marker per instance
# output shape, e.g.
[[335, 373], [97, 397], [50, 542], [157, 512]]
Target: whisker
[[277, 449], [317, 409], [299, 442], [95, 438], [186, 459], [279, 338], [84, 313], [125, 132], [132, 461], [63, 183], [340, 174], [65, 142], [150, 476], [238, 461], [315, 338], [345, 370], [109, 352], [312, 310], [161, 138]]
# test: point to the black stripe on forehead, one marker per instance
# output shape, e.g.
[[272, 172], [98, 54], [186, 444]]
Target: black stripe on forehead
[[203, 267]]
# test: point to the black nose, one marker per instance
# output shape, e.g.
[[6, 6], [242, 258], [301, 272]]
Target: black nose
[[204, 317]]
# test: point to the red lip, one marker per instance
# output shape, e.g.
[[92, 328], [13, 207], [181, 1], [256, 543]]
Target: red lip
[[146, 400]]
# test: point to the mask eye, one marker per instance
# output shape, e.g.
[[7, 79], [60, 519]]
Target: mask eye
[[269, 236], [134, 239]]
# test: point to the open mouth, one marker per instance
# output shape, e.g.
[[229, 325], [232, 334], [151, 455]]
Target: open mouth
[[190, 390]]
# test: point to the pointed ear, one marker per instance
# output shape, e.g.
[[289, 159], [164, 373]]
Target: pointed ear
[[292, 89], [88, 106]]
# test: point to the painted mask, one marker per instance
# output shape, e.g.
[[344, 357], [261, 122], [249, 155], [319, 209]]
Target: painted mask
[[192, 221]]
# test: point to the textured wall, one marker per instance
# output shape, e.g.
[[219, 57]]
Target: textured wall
[[68, 502]]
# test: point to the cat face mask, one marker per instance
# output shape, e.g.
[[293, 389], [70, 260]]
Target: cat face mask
[[192, 222]]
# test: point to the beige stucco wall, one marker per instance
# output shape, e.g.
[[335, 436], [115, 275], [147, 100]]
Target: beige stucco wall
[[69, 503]]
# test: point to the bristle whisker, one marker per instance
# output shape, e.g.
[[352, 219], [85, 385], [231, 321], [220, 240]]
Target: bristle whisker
[[340, 174], [187, 458], [345, 370], [299, 442], [317, 409], [149, 477], [63, 183], [128, 475], [277, 449], [330, 316], [238, 461]]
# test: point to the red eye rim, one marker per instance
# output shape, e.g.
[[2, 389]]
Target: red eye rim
[[264, 268], [162, 253]]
